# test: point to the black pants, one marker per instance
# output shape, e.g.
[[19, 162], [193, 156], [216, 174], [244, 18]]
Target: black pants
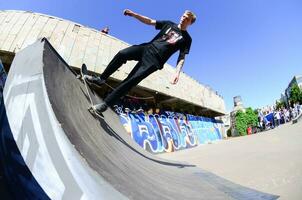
[[148, 62]]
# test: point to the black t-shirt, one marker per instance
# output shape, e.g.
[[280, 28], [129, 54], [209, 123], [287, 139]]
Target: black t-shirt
[[171, 39]]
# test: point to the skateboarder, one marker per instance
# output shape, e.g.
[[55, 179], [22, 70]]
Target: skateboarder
[[151, 56]]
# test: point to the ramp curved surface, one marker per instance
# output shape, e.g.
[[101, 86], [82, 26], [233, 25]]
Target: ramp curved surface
[[72, 155]]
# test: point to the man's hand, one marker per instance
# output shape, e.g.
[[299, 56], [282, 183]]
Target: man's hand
[[144, 19], [179, 66], [175, 79], [128, 12]]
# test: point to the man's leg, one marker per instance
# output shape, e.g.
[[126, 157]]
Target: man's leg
[[131, 53], [125, 86]]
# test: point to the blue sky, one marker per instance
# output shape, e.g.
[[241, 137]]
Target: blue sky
[[251, 48]]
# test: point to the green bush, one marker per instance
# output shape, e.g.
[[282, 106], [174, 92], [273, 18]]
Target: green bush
[[295, 94], [246, 119], [252, 117], [229, 132], [241, 122]]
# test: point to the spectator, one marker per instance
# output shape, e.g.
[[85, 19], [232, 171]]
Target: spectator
[[105, 30], [278, 117], [287, 115]]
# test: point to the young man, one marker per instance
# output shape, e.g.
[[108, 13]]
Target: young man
[[151, 56]]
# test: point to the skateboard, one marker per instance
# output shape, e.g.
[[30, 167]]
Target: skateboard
[[93, 97]]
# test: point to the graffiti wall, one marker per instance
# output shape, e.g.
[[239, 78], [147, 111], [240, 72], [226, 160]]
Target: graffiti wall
[[170, 131], [2, 78]]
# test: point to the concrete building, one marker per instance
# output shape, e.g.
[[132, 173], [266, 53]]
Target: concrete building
[[78, 44]]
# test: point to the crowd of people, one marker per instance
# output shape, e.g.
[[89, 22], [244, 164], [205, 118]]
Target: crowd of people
[[272, 117]]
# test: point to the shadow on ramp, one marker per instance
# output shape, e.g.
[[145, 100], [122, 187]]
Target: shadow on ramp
[[111, 132]]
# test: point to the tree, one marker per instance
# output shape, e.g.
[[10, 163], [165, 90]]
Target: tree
[[295, 94], [241, 122], [246, 119], [280, 104], [251, 117]]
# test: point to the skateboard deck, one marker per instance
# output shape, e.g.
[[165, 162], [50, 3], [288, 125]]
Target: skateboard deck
[[92, 96]]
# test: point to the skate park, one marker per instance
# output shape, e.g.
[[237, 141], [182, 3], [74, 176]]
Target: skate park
[[60, 151]]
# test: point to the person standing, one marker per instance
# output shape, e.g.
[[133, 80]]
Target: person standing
[[105, 30]]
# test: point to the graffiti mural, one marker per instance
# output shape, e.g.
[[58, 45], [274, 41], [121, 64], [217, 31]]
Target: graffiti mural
[[2, 78], [169, 131]]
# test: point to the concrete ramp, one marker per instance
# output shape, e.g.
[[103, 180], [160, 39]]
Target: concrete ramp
[[52, 147]]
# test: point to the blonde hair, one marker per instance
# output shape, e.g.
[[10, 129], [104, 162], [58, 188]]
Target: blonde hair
[[192, 15]]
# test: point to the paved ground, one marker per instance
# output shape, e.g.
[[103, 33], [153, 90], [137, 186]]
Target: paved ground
[[269, 162]]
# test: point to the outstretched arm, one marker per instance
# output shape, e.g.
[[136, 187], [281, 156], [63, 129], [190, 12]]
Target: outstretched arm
[[179, 66], [144, 19]]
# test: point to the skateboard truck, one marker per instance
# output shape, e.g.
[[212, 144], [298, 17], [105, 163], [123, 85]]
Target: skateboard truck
[[94, 113]]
